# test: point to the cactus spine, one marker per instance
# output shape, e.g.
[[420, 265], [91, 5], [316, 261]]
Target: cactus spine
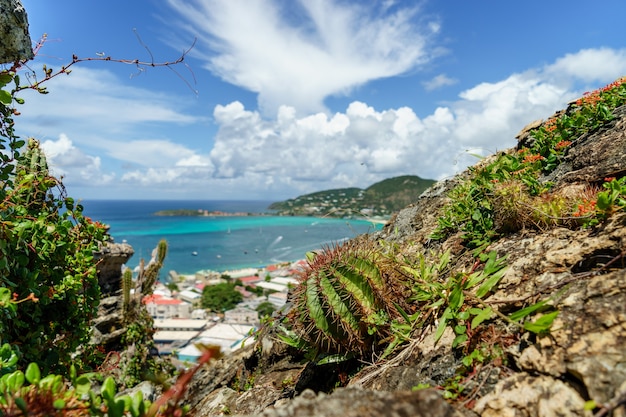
[[344, 303]]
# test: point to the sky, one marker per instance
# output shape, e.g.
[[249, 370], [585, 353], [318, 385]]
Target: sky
[[280, 98]]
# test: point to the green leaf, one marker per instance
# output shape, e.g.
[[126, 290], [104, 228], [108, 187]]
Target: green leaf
[[33, 375], [520, 314], [336, 358], [462, 338], [542, 324], [15, 381], [82, 384], [5, 78], [491, 282], [5, 97], [442, 324], [21, 404], [482, 315], [108, 389], [456, 298], [590, 405], [603, 201], [5, 295], [59, 404]]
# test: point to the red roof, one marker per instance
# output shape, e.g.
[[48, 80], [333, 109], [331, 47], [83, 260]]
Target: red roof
[[160, 300], [250, 279]]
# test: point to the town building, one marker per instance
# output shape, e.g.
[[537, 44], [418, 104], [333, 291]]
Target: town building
[[241, 315], [162, 307]]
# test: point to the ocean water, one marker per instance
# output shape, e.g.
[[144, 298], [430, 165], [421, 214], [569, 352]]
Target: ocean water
[[218, 243]]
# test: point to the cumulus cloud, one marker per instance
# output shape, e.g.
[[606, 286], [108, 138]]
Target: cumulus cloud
[[362, 144], [591, 65], [252, 156], [299, 53], [68, 161]]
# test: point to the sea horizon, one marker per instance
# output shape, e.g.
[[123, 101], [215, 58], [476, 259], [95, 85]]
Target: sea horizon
[[218, 243]]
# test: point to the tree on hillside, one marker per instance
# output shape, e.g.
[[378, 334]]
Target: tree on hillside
[[220, 297]]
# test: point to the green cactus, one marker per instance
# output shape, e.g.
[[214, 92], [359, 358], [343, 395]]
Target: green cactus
[[127, 283], [144, 283], [34, 160], [346, 299], [150, 274]]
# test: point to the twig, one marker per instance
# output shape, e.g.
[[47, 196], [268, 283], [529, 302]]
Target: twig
[[619, 399]]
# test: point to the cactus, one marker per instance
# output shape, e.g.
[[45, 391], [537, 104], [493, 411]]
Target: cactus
[[150, 274], [127, 282], [34, 160], [146, 278], [346, 299]]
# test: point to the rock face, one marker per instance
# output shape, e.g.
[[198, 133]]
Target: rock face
[[111, 257], [15, 43], [578, 369]]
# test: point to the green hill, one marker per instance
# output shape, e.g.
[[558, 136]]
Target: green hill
[[380, 199]]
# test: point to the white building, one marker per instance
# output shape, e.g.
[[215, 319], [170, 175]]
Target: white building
[[241, 315], [162, 307], [190, 296]]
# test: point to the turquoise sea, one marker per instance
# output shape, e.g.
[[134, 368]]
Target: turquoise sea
[[219, 243]]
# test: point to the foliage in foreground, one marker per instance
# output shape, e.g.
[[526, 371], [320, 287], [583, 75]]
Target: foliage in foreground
[[512, 192], [48, 284], [28, 393]]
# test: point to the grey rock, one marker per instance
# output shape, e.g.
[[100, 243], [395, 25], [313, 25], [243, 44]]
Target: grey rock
[[15, 43]]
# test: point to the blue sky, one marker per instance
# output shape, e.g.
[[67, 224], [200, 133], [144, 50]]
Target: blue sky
[[280, 98]]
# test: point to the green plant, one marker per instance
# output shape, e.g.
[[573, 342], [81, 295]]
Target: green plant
[[505, 193], [345, 300], [137, 340], [220, 297], [613, 199], [28, 393], [441, 293], [47, 250]]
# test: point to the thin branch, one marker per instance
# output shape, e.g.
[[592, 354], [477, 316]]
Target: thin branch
[[141, 65]]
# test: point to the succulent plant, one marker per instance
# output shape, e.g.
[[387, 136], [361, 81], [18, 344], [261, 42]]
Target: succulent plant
[[346, 299]]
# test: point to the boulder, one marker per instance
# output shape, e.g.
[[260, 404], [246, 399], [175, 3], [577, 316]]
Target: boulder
[[15, 43]]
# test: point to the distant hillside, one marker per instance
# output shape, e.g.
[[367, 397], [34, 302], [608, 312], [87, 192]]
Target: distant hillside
[[381, 199]]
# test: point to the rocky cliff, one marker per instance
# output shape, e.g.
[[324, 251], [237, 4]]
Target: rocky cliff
[[551, 340]]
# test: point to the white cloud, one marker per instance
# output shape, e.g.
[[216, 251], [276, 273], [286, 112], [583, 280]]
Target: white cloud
[[150, 152], [299, 53], [99, 99], [363, 144], [76, 167], [441, 80], [292, 154], [601, 65]]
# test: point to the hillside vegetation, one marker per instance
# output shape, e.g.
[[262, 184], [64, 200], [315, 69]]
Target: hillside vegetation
[[380, 199]]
